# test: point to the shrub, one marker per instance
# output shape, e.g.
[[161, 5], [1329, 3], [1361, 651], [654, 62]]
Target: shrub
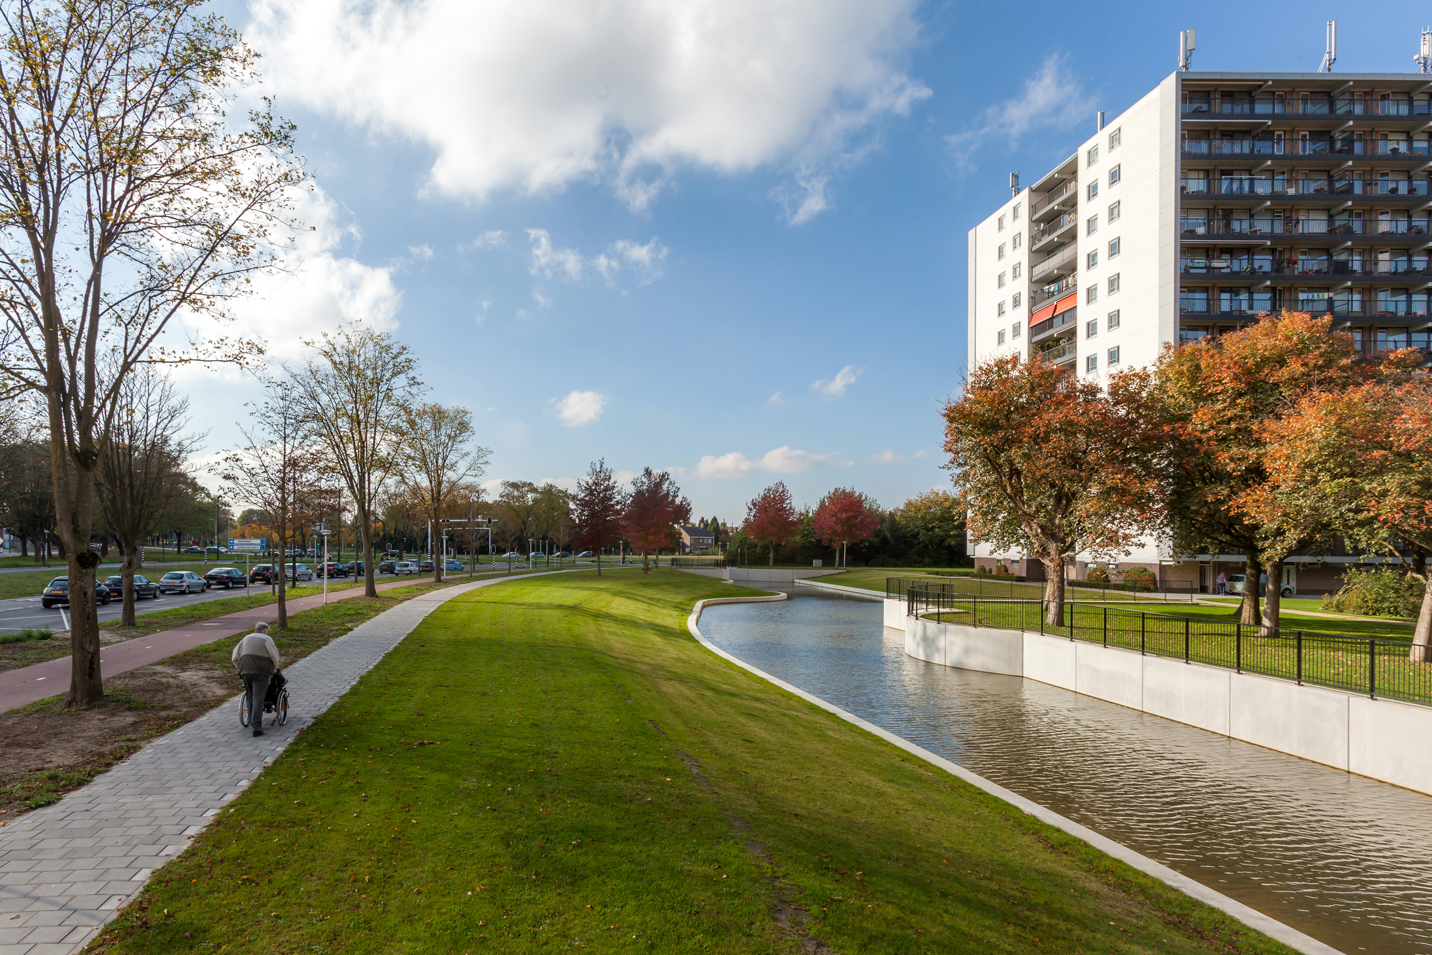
[[1000, 570], [1098, 575], [1140, 578], [982, 569], [1377, 592], [26, 635]]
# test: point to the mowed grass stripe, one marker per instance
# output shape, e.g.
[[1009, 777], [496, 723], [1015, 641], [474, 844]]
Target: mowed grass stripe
[[555, 764]]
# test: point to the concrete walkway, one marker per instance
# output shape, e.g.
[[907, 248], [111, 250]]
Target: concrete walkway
[[40, 680], [68, 868]]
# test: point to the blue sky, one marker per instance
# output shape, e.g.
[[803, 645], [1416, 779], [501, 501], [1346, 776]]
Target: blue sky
[[724, 238]]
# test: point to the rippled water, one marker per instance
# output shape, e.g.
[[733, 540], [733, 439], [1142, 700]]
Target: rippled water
[[1344, 859]]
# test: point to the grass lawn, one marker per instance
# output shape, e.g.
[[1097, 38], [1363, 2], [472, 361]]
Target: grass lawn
[[555, 763]]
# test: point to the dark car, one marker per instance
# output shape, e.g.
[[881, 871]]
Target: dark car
[[426, 566], [387, 567], [193, 550], [262, 573], [355, 567], [143, 586], [332, 569], [226, 577], [57, 591]]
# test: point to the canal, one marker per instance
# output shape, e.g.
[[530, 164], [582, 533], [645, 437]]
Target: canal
[[1344, 859]]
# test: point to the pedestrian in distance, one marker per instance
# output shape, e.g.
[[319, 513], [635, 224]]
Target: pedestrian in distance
[[1222, 583], [256, 658]]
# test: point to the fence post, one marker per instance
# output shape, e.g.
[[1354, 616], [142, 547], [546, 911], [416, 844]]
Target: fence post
[[1372, 668], [1186, 657], [1143, 632], [1106, 626], [1238, 650], [1300, 658]]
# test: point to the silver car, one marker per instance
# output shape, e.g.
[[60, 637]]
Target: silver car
[[182, 582], [405, 567]]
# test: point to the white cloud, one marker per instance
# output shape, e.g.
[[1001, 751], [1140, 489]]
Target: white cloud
[[580, 408], [923, 453], [623, 478], [1051, 99], [835, 387], [422, 253], [552, 262], [490, 239], [534, 96], [776, 398], [782, 460], [889, 457], [542, 300], [643, 261]]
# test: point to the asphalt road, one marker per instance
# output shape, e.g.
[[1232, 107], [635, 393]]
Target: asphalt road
[[22, 612]]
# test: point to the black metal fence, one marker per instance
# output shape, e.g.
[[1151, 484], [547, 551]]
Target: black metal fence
[[991, 586], [1372, 666], [706, 562]]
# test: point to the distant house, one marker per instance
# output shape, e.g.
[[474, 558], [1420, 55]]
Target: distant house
[[695, 539]]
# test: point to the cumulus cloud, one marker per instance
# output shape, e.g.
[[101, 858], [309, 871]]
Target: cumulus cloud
[[1053, 98], [490, 239], [889, 457], [782, 460], [644, 262], [835, 387], [534, 96], [580, 408], [552, 262]]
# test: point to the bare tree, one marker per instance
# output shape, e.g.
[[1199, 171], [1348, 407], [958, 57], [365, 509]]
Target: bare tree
[[141, 466], [127, 197], [275, 470], [359, 380], [435, 456]]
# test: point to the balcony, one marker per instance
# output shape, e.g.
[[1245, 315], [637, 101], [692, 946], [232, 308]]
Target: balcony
[[1342, 148], [1047, 235], [1412, 310], [1060, 354], [1306, 268], [1346, 106], [1056, 264], [1042, 208], [1050, 293], [1041, 330], [1260, 227]]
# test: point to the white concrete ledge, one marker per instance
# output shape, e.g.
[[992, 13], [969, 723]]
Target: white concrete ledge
[[859, 593]]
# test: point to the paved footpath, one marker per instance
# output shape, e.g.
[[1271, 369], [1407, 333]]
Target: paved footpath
[[68, 868], [40, 680]]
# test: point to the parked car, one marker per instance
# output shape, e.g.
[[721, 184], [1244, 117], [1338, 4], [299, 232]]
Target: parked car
[[216, 551], [191, 549], [562, 555], [57, 591], [332, 569], [405, 567], [227, 577], [511, 555], [182, 582], [387, 567], [262, 573], [143, 587], [1236, 583], [297, 572], [453, 564], [354, 567], [426, 565], [585, 553]]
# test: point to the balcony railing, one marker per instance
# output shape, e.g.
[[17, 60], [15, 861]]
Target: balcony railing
[[1399, 149], [1052, 228], [1059, 353], [1343, 308], [1283, 225], [1060, 194], [1049, 325], [1049, 293], [1307, 267], [1346, 106], [1056, 261]]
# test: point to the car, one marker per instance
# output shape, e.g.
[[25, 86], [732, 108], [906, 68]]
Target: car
[[354, 567], [332, 569], [454, 564], [297, 572], [228, 577], [585, 553], [143, 586], [191, 549], [426, 566], [182, 582], [562, 555], [405, 567], [1236, 583], [57, 591], [511, 555], [216, 551], [387, 567], [262, 573]]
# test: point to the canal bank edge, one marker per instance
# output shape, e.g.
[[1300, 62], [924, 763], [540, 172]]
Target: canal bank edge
[[1250, 917], [1367, 737]]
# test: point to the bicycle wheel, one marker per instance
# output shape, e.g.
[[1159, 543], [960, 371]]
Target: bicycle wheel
[[244, 709], [282, 708]]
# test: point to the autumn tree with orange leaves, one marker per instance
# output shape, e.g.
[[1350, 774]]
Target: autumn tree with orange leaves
[[845, 517], [653, 510], [771, 517]]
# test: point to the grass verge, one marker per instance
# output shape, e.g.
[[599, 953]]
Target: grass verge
[[555, 764]]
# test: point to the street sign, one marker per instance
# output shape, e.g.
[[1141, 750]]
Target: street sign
[[247, 545]]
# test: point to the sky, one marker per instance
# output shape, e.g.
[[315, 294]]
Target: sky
[[724, 238]]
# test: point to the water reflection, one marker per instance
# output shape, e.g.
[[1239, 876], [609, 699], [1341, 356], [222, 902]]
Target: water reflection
[[1344, 859]]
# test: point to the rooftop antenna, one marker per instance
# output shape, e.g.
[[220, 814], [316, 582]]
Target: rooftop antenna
[[1185, 48], [1101, 119], [1014, 184], [1331, 56], [1423, 59]]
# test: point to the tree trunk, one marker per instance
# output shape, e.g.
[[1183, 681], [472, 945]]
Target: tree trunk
[[1422, 635], [773, 553], [1272, 598], [1053, 590], [644, 569], [1248, 609], [282, 579], [599, 561], [127, 570], [370, 589]]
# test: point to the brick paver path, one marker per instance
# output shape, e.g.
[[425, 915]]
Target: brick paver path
[[66, 869]]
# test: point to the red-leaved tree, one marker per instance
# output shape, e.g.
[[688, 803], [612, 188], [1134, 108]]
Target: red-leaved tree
[[597, 509], [845, 517], [653, 509], [771, 517]]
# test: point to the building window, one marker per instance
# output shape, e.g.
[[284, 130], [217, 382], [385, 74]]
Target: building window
[[1001, 250], [1001, 310], [1018, 268], [1015, 332], [1113, 211], [1113, 247], [1093, 155], [1091, 329], [1091, 295], [1113, 355], [1018, 238], [1114, 138], [1091, 260], [1113, 283], [1091, 364], [1001, 336], [1092, 225], [1001, 223], [1016, 305], [1113, 319], [1115, 175], [1001, 280], [1016, 212], [1093, 189]]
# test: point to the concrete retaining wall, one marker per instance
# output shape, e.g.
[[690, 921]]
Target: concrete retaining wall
[[895, 613], [1373, 738], [760, 575], [859, 593]]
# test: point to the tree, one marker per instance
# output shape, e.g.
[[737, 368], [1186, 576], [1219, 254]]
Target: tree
[[553, 517], [436, 455], [275, 469], [933, 524], [128, 195], [27, 492], [653, 508], [597, 508], [1361, 460], [845, 517], [141, 467], [1213, 403], [771, 518], [354, 388], [517, 505], [1047, 462]]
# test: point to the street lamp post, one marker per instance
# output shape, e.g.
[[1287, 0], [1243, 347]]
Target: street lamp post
[[323, 532]]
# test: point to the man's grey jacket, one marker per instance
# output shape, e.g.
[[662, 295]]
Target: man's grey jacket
[[255, 654]]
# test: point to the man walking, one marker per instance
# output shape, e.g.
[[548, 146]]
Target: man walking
[[256, 659]]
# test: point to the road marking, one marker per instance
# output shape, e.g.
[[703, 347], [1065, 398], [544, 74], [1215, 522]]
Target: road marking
[[66, 618], [39, 678]]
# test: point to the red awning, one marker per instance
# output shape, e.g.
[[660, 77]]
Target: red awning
[[1043, 313], [1068, 301]]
